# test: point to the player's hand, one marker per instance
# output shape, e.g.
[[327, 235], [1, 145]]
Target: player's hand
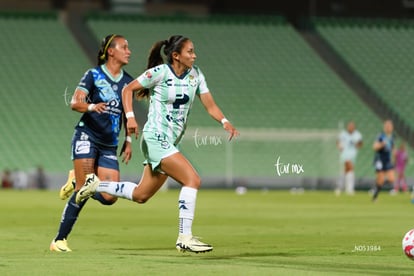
[[99, 107], [126, 152], [132, 127], [231, 129]]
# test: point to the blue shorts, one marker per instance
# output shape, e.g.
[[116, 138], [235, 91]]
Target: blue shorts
[[83, 147], [383, 166]]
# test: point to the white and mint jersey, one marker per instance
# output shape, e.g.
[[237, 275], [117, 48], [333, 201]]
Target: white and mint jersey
[[171, 98], [349, 143]]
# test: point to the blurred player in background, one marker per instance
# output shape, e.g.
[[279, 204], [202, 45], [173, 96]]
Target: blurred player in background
[[348, 143], [95, 140], [171, 88], [383, 159], [401, 160]]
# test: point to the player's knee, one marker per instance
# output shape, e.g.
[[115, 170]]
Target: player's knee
[[194, 182], [104, 199], [141, 199]]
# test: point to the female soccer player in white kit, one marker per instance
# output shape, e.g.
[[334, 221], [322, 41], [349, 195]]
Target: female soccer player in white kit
[[349, 141], [171, 88]]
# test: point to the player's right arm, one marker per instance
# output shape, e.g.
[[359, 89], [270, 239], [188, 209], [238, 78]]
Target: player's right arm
[[127, 102], [79, 103], [378, 144]]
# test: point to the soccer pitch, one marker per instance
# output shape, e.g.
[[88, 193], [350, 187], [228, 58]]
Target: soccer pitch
[[258, 233]]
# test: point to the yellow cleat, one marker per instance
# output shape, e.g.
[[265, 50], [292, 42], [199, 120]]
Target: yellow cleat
[[60, 246], [69, 186]]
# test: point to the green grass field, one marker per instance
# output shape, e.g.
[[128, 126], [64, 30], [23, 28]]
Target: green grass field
[[259, 233]]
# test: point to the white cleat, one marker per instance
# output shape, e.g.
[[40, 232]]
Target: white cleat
[[88, 189], [189, 243]]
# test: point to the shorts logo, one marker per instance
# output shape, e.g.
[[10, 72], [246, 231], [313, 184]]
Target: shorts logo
[[112, 157], [82, 147], [165, 145]]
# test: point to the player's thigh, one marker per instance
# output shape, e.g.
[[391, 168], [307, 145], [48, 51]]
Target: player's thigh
[[108, 174], [380, 177], [181, 170], [349, 166], [84, 154], [83, 167], [149, 184], [391, 175]]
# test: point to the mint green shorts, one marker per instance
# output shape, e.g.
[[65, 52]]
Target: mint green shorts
[[155, 148]]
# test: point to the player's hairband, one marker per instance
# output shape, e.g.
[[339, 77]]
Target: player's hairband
[[102, 57], [175, 44]]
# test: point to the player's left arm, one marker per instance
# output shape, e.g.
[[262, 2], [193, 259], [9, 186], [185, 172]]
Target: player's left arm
[[215, 112], [126, 150]]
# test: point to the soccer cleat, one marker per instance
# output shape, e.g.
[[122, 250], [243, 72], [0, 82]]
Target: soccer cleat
[[69, 186], [88, 189], [189, 243], [60, 246]]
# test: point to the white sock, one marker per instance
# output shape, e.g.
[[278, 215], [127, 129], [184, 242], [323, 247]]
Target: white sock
[[186, 207], [340, 183], [349, 182], [118, 189]]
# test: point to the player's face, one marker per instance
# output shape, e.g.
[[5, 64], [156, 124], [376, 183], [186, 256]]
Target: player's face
[[388, 127], [121, 51], [187, 55], [351, 127]]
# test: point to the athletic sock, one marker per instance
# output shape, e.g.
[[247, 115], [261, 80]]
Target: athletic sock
[[350, 182], [186, 207], [376, 192], [118, 189], [69, 216], [340, 183]]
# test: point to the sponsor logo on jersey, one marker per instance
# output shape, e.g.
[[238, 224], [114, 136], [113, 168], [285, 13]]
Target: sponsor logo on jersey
[[168, 82], [148, 74], [177, 121]]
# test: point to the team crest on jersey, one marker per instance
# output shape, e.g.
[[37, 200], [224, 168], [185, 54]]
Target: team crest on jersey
[[115, 87], [192, 80], [148, 75]]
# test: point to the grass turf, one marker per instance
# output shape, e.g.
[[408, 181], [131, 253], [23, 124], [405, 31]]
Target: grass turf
[[259, 233]]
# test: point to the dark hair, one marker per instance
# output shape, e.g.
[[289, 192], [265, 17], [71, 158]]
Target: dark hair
[[107, 42], [173, 44]]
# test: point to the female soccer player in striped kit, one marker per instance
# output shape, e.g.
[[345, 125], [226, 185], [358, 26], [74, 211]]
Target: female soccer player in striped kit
[[95, 140], [171, 89]]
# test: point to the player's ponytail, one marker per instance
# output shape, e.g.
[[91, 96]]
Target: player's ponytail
[[154, 58]]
